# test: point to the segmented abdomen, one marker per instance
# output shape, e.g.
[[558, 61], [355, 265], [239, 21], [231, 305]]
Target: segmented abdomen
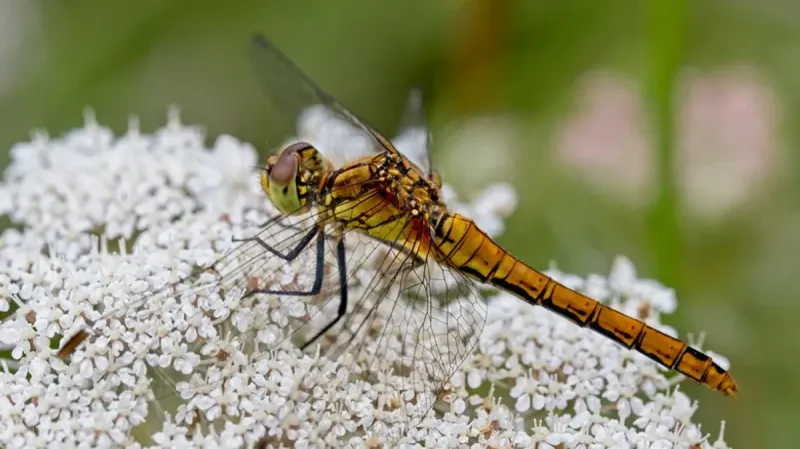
[[464, 246]]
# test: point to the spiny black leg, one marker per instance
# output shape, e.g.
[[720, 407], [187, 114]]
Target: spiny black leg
[[340, 260], [319, 271], [291, 255]]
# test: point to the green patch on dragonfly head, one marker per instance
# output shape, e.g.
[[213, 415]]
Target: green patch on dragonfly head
[[281, 182], [285, 197]]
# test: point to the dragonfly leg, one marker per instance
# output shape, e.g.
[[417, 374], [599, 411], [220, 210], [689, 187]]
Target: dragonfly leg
[[291, 255], [318, 277], [319, 272], [340, 260]]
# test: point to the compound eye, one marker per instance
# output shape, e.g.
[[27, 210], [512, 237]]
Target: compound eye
[[284, 170]]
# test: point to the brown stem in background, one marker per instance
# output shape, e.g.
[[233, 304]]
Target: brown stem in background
[[475, 67]]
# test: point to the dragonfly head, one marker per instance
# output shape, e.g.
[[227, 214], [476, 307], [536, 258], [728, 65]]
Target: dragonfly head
[[290, 176]]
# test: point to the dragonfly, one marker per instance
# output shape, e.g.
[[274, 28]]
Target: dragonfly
[[420, 315]]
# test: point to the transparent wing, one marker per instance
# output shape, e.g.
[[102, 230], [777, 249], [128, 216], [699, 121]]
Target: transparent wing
[[413, 139], [412, 326], [300, 101], [409, 323]]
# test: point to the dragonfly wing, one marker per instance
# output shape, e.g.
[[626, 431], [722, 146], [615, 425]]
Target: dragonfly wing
[[264, 287], [300, 101], [410, 323], [413, 139], [289, 272], [410, 327]]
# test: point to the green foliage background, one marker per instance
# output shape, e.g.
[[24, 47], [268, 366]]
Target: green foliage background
[[736, 277]]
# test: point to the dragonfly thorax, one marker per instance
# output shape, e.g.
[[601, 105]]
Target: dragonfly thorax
[[289, 178], [414, 192]]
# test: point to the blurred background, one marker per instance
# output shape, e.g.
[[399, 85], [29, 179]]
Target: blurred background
[[661, 130]]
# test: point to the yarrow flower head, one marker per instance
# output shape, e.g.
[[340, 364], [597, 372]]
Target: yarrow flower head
[[117, 233]]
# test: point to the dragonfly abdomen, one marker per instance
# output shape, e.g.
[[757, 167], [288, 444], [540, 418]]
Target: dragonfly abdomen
[[635, 334], [467, 248]]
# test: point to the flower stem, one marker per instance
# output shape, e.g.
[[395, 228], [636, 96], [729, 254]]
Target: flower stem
[[665, 22]]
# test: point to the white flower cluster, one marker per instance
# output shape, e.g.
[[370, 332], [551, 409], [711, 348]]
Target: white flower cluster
[[108, 226]]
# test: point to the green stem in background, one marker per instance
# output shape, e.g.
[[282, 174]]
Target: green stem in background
[[665, 24]]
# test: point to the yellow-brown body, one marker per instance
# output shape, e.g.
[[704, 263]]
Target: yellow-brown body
[[390, 199]]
